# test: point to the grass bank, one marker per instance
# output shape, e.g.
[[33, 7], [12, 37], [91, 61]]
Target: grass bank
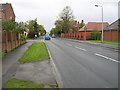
[[106, 42], [14, 83], [36, 52]]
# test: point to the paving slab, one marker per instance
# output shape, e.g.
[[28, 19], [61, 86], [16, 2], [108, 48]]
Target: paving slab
[[37, 72]]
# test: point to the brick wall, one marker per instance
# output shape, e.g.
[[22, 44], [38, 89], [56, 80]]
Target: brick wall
[[109, 35], [79, 35], [8, 13]]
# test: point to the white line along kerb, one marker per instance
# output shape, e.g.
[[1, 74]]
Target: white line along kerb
[[107, 57], [80, 48]]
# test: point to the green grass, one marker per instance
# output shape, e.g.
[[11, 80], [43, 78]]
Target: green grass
[[106, 42], [14, 83], [53, 86], [39, 37], [36, 52]]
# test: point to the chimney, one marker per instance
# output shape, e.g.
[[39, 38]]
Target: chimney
[[82, 21]]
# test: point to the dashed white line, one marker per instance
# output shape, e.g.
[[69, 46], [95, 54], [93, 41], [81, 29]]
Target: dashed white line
[[80, 48], [107, 57]]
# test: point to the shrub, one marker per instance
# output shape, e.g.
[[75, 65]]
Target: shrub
[[96, 35], [31, 34], [23, 37]]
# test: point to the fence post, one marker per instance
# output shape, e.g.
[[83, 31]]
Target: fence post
[[6, 41]]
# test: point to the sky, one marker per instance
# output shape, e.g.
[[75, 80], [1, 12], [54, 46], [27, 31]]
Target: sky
[[47, 11]]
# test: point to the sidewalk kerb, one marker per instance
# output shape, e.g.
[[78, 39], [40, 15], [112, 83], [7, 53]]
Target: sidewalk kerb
[[55, 70]]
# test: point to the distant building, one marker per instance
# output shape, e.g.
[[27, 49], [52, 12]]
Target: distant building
[[111, 33], [6, 12], [86, 30], [91, 26]]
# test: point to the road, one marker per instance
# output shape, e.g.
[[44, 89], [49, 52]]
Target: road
[[83, 65]]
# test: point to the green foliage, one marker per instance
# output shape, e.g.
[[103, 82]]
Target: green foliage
[[35, 28], [119, 24], [96, 35], [66, 15], [73, 26], [106, 42], [81, 25], [20, 27], [54, 31], [23, 37], [9, 25]]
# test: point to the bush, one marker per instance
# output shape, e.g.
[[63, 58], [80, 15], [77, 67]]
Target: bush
[[31, 34], [96, 35], [23, 37]]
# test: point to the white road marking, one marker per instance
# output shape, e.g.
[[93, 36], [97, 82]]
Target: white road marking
[[107, 57], [80, 48]]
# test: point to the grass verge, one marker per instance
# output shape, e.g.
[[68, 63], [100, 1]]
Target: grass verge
[[14, 83], [36, 52], [106, 42]]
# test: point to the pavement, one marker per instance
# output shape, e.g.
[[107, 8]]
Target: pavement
[[82, 65], [38, 72]]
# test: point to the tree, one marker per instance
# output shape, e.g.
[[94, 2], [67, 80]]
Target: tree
[[58, 26], [20, 27], [73, 25], [82, 24], [66, 15], [9, 26], [54, 31], [33, 28]]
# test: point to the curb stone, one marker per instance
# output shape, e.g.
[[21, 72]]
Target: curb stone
[[55, 70]]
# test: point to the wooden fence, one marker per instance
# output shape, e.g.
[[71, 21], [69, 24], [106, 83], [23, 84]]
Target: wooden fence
[[10, 40]]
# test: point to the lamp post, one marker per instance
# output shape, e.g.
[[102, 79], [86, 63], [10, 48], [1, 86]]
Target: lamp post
[[102, 20]]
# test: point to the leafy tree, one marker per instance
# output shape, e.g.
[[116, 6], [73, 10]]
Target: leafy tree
[[82, 24], [33, 28], [54, 31], [58, 26], [20, 27], [66, 15], [73, 26], [43, 32], [9, 25]]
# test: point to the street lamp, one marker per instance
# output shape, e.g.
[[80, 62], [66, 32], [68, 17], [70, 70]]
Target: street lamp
[[102, 20]]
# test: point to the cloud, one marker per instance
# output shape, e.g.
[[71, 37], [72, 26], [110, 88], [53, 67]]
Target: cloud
[[47, 11]]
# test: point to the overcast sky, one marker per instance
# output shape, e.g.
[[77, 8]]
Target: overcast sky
[[47, 11]]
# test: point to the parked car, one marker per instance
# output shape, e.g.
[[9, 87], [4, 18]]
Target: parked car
[[53, 36], [47, 38]]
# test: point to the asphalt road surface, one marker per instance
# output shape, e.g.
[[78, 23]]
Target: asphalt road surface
[[83, 65]]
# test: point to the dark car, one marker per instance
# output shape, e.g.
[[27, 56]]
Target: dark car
[[47, 38]]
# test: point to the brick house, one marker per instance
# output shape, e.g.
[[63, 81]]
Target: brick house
[[111, 33], [85, 31], [6, 12]]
